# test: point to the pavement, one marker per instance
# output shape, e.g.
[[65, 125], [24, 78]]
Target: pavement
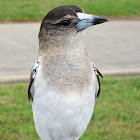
[[114, 46]]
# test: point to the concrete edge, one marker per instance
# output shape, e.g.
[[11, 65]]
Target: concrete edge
[[113, 73], [111, 18], [14, 79], [122, 73]]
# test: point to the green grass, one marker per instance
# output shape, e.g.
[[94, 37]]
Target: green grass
[[116, 115], [21, 10]]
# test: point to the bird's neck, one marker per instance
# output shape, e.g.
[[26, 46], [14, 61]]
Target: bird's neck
[[67, 67], [49, 43]]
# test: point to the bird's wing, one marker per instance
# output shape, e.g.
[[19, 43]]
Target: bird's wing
[[32, 78], [97, 73]]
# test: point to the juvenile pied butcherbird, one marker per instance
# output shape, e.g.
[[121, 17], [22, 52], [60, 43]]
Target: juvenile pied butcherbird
[[64, 82]]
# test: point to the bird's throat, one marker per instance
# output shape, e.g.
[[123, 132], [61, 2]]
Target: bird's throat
[[67, 69]]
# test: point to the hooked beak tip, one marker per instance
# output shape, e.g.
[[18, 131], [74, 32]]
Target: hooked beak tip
[[99, 20]]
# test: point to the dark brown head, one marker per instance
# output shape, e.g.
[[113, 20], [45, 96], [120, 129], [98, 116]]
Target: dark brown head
[[64, 21], [59, 21], [61, 12]]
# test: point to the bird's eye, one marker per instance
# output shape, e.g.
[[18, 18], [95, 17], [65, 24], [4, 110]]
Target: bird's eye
[[65, 22]]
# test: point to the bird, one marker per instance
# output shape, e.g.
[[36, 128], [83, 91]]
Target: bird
[[64, 82]]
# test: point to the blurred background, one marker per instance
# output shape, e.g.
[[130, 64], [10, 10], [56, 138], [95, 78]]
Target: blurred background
[[115, 49]]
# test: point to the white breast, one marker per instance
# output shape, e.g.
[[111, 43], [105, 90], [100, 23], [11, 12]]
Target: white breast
[[61, 116]]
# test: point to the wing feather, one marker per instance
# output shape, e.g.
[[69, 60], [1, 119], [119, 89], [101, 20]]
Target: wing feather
[[32, 78], [97, 73]]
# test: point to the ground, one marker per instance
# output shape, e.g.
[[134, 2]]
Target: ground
[[36, 9], [116, 114], [117, 111]]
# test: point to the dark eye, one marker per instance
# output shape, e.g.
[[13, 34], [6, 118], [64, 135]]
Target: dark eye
[[65, 22]]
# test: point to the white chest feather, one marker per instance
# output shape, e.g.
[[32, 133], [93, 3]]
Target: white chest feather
[[61, 116]]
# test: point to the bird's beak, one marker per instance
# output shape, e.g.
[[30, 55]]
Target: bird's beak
[[86, 20]]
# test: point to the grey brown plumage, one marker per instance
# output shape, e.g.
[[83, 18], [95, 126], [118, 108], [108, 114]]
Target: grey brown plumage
[[64, 82]]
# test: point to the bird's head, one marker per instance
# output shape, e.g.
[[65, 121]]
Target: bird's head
[[64, 22]]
